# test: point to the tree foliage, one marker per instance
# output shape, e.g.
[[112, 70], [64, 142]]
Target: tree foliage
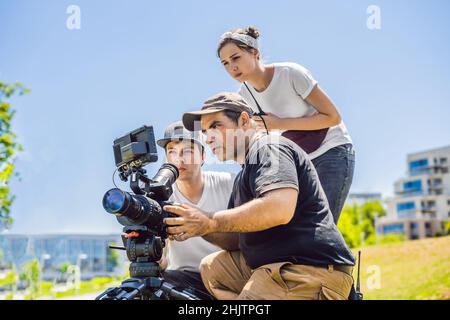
[[447, 228], [8, 149], [64, 267], [32, 274], [113, 257], [357, 223]]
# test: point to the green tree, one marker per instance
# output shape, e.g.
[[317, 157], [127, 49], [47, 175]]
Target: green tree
[[447, 228], [113, 257], [9, 282], [3, 264], [349, 226], [64, 267], [32, 275], [8, 149], [9, 278], [357, 223]]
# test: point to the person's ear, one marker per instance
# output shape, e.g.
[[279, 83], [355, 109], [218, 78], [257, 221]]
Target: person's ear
[[203, 156], [245, 119], [256, 53]]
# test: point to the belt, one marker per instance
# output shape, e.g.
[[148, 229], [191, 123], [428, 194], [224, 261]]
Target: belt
[[342, 268]]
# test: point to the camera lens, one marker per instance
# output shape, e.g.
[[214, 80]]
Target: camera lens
[[114, 201], [132, 209], [166, 175]]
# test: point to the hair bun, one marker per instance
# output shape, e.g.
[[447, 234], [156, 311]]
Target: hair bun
[[252, 31]]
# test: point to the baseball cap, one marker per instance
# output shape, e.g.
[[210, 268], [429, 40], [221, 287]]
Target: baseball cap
[[177, 132], [219, 102]]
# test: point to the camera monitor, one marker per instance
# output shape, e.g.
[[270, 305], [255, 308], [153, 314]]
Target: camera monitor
[[136, 148]]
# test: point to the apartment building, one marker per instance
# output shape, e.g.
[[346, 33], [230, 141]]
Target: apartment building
[[421, 204]]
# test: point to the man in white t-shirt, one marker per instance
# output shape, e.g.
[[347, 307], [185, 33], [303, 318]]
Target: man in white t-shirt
[[209, 191]]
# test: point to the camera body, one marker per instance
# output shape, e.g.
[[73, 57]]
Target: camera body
[[141, 213]]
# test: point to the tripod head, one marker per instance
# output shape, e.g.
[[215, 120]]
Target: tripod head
[[144, 249]]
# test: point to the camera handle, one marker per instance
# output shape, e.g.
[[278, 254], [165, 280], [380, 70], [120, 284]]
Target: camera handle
[[137, 175]]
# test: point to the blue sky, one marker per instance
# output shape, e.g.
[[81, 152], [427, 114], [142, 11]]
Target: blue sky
[[142, 62]]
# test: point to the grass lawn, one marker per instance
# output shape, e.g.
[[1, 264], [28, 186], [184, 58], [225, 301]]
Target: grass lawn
[[410, 270]]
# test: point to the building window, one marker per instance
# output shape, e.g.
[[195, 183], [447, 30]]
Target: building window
[[431, 204], [412, 186], [406, 210], [406, 206], [418, 166], [393, 228]]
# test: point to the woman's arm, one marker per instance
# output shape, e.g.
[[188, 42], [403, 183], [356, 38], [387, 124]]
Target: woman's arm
[[327, 116]]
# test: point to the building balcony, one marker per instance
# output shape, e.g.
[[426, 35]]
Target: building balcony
[[428, 209], [430, 192], [437, 189], [431, 169], [437, 186], [395, 219], [416, 214], [408, 214], [409, 193], [428, 214]]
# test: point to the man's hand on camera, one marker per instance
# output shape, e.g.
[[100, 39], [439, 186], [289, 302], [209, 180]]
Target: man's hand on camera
[[192, 222]]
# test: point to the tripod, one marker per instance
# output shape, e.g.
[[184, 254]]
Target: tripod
[[144, 249]]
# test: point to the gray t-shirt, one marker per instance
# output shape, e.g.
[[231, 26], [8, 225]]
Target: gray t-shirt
[[311, 237]]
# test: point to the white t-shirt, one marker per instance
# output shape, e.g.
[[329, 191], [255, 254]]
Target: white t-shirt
[[285, 97], [186, 255]]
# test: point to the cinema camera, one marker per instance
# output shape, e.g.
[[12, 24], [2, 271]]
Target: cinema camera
[[142, 216]]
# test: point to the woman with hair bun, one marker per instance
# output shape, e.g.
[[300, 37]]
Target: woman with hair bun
[[289, 99]]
